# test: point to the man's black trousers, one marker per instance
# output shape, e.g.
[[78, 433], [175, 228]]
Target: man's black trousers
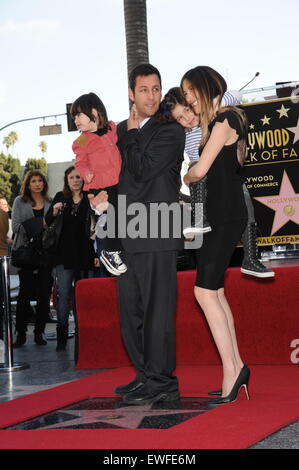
[[147, 304]]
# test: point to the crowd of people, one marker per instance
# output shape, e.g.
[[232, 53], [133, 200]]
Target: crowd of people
[[140, 160]]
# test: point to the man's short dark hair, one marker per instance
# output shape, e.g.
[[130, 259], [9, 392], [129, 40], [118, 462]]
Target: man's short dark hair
[[142, 70]]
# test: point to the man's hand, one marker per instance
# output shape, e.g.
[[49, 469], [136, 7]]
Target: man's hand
[[133, 121], [99, 202]]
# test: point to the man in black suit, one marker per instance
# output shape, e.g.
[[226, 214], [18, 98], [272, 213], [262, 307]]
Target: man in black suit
[[152, 153]]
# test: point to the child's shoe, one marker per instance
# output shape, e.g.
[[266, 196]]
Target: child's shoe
[[251, 264], [113, 262], [199, 222]]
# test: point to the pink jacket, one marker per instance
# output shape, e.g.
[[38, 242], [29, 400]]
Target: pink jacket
[[98, 155]]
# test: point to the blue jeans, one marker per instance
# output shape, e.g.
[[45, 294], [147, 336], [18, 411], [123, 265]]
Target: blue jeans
[[65, 286]]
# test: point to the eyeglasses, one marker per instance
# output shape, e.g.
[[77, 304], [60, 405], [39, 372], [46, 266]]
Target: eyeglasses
[[185, 115]]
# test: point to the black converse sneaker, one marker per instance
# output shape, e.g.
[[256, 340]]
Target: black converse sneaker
[[251, 264], [113, 262], [199, 222]]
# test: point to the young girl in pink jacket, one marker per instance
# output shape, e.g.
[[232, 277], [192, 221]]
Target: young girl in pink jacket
[[98, 162]]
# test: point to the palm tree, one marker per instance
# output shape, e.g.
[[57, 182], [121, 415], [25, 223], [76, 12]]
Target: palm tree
[[136, 33], [43, 146], [7, 142], [13, 138]]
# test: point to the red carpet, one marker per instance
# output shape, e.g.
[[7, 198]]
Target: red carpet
[[265, 311], [274, 403]]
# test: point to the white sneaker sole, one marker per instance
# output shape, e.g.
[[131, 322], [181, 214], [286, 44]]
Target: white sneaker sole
[[110, 268], [191, 232], [256, 274]]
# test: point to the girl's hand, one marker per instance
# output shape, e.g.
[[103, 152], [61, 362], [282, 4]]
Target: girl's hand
[[89, 178], [100, 201], [133, 121], [57, 207]]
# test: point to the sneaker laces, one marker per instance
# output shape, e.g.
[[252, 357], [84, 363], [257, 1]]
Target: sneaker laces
[[117, 258]]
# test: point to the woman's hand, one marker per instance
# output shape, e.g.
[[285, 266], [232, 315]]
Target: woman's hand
[[133, 121], [96, 262], [88, 178], [99, 202], [57, 207]]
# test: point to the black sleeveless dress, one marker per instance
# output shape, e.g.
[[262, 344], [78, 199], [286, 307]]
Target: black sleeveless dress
[[226, 209]]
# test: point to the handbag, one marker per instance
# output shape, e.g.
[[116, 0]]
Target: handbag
[[24, 252], [51, 234]]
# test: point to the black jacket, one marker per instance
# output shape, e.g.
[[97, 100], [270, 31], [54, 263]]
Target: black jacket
[[75, 249], [152, 160]]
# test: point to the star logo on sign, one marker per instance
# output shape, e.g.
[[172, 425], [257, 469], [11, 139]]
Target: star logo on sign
[[295, 131], [285, 204], [283, 111], [251, 126], [266, 120]]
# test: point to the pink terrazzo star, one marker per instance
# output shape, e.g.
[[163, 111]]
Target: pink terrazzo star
[[285, 204]]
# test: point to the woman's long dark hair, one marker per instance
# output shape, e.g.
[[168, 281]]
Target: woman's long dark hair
[[25, 191], [209, 87], [66, 189]]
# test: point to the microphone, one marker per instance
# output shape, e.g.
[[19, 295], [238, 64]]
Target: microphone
[[256, 75]]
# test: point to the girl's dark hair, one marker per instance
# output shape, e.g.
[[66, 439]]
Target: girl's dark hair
[[171, 99], [85, 104], [66, 189], [142, 70], [25, 191]]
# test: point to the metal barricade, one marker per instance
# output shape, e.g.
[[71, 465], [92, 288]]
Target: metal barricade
[[8, 365]]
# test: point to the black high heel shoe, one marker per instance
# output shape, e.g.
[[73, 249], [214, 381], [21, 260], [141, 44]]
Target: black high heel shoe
[[215, 393], [242, 381]]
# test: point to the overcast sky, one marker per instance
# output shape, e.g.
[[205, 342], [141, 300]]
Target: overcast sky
[[52, 51]]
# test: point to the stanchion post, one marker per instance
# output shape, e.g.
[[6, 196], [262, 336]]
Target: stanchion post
[[8, 365]]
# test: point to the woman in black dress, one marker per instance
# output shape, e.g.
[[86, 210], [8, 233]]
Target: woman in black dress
[[75, 257], [223, 151]]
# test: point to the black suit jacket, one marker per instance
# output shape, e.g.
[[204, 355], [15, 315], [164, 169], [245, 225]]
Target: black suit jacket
[[150, 174]]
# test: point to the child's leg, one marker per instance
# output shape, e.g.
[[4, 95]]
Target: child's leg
[[110, 254], [251, 264]]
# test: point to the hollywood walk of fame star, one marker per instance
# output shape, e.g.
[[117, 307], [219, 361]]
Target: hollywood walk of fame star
[[283, 111], [285, 204], [295, 131], [265, 120], [129, 417]]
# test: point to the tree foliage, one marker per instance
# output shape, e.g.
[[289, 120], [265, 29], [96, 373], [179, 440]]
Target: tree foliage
[[10, 170], [36, 164], [10, 140]]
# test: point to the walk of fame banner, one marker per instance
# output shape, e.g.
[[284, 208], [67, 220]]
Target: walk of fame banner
[[271, 169]]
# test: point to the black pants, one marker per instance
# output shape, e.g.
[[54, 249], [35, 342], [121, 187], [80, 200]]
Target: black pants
[[147, 303], [112, 243], [34, 287]]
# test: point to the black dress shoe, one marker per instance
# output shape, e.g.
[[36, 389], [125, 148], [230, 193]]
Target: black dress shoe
[[215, 393], [145, 397], [130, 387]]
